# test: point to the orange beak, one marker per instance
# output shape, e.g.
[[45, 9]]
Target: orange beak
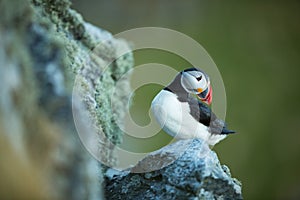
[[200, 90]]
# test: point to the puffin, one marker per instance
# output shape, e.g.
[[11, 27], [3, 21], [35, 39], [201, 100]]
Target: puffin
[[182, 108]]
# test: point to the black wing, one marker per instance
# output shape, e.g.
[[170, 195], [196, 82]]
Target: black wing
[[202, 113]]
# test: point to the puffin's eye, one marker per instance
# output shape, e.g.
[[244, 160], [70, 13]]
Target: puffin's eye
[[199, 78]]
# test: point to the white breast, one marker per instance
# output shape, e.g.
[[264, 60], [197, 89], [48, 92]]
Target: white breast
[[174, 117]]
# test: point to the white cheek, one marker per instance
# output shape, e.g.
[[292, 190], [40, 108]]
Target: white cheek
[[188, 81], [202, 84]]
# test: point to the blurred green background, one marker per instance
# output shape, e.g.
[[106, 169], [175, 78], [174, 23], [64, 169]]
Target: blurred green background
[[256, 46]]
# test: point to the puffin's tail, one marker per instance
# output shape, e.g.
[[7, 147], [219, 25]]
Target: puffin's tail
[[225, 131]]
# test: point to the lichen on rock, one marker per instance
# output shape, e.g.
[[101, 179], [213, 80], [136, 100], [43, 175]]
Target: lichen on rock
[[45, 47]]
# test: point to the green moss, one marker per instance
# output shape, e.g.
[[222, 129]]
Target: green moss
[[66, 20], [104, 92], [86, 56]]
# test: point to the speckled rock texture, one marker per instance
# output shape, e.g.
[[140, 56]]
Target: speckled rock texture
[[187, 169], [44, 47]]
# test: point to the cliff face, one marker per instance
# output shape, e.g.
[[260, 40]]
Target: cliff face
[[44, 47]]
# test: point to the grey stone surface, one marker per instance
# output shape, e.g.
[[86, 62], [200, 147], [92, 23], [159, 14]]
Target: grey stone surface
[[186, 169]]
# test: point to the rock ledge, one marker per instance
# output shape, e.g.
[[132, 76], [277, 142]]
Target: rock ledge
[[195, 173]]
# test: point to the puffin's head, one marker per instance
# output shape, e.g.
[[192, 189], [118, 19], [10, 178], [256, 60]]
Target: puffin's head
[[197, 82]]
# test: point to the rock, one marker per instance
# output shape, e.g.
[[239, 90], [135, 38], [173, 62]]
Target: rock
[[186, 169], [44, 47]]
